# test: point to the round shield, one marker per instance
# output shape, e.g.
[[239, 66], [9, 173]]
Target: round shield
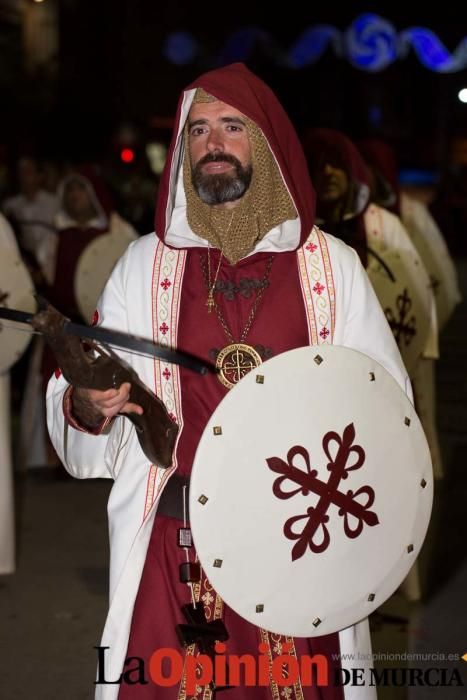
[[436, 261], [403, 290], [95, 264], [16, 292], [311, 491]]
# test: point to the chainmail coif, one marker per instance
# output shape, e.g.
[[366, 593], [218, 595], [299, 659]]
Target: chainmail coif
[[265, 204]]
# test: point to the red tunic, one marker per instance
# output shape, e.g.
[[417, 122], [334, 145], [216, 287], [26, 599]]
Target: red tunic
[[278, 325]]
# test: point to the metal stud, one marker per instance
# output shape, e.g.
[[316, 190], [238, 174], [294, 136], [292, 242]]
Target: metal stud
[[203, 499], [407, 420], [217, 563], [260, 378], [259, 608], [217, 430], [410, 548], [318, 359], [372, 376], [316, 622], [423, 483], [371, 597]]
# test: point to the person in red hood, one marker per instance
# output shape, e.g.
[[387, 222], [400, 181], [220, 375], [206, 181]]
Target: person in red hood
[[346, 208], [236, 259], [342, 182], [418, 222]]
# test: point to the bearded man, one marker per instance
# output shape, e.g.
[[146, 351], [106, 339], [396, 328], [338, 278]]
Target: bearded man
[[236, 260]]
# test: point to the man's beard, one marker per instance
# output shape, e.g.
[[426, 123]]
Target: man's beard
[[224, 187]]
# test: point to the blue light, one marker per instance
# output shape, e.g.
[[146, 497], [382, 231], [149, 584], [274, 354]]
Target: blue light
[[413, 176], [370, 43], [375, 114], [238, 46], [180, 48], [431, 52], [313, 43]]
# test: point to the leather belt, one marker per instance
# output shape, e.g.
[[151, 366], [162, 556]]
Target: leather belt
[[171, 501]]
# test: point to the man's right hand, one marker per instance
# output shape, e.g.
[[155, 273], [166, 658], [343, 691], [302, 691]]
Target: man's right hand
[[90, 406]]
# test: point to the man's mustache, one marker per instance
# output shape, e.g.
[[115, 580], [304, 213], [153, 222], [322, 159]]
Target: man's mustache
[[218, 158]]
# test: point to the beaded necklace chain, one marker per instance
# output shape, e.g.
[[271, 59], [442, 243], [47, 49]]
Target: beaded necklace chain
[[238, 358]]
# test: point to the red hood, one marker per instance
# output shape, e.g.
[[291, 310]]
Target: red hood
[[382, 157], [320, 144], [329, 145], [237, 86]]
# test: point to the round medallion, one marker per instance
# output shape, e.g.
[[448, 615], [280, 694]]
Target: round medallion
[[234, 361]]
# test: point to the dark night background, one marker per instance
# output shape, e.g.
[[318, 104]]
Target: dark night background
[[109, 68]]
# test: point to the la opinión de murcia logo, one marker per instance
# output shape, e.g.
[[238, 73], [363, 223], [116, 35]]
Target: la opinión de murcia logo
[[167, 667]]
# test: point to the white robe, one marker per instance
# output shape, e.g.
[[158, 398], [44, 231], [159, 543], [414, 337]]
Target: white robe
[[126, 305], [428, 239], [384, 231], [37, 237], [7, 512]]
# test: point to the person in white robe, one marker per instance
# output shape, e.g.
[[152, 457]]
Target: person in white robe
[[159, 281]]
